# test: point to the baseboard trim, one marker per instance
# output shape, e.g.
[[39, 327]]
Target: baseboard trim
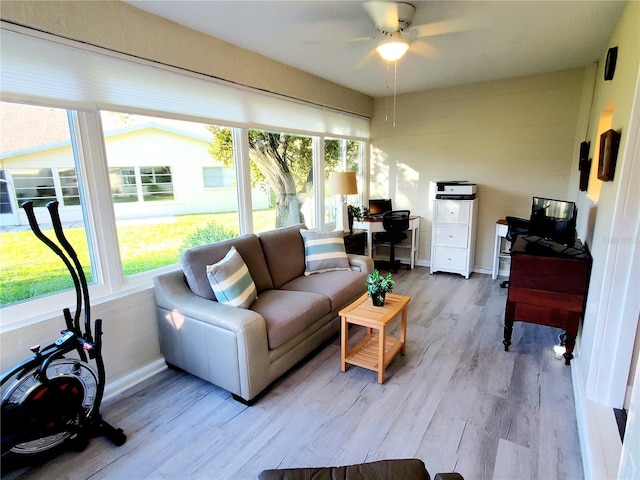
[[124, 383], [600, 444]]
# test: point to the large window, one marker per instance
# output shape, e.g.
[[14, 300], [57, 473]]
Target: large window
[[282, 168], [38, 165], [34, 184], [43, 185], [343, 155], [69, 186], [5, 197], [167, 182], [162, 201], [140, 184]]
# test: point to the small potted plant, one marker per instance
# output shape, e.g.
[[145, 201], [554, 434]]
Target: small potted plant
[[355, 213], [378, 285]]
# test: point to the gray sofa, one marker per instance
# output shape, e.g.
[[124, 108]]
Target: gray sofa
[[245, 350]]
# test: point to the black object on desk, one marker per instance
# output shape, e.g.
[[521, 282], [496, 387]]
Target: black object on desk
[[547, 286]]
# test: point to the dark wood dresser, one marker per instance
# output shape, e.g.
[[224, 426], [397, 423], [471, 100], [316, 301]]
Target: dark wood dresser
[[547, 286]]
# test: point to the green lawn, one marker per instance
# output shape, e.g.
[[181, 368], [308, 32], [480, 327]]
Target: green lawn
[[28, 268]]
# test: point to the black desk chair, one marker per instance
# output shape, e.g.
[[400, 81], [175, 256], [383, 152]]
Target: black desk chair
[[395, 224]]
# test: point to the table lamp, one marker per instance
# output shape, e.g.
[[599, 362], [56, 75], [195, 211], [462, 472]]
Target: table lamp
[[342, 183]]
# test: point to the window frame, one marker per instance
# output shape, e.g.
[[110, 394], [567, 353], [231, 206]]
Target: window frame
[[67, 60], [94, 184]]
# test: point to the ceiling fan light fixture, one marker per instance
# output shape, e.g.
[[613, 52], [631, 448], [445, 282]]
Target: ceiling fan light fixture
[[392, 49]]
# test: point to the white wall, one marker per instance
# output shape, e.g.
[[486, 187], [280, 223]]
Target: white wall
[[514, 138], [131, 348], [604, 353]]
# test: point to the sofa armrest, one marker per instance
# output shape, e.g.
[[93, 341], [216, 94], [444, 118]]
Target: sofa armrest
[[361, 263], [225, 345], [173, 294]]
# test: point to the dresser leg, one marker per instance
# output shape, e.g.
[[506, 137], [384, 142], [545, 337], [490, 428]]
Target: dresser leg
[[569, 342], [508, 330], [509, 314]]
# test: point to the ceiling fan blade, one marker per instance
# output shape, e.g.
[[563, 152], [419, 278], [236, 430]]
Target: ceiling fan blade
[[423, 49], [464, 24], [383, 14], [367, 58], [339, 41], [361, 39]]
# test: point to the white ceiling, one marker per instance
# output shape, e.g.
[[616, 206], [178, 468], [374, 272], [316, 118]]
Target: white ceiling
[[508, 38]]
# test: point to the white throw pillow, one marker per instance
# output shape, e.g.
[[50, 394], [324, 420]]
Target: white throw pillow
[[324, 251], [231, 281]]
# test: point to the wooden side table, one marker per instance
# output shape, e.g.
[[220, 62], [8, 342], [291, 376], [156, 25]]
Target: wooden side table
[[376, 350]]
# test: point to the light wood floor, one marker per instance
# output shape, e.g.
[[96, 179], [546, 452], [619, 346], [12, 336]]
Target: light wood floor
[[456, 400]]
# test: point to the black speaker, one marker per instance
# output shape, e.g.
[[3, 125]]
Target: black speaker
[[584, 151], [610, 64]]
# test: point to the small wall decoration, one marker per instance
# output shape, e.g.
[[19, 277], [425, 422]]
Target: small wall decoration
[[609, 143], [584, 166], [610, 63]]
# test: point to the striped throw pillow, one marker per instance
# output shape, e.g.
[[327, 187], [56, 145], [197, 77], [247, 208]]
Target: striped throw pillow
[[324, 251], [231, 281]]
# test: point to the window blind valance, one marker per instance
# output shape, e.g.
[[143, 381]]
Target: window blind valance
[[58, 74]]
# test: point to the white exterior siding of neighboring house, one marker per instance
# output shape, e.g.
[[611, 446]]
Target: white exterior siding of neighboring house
[[52, 157], [145, 146]]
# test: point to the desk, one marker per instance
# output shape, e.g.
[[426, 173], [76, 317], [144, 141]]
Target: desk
[[501, 235], [374, 225], [547, 286]]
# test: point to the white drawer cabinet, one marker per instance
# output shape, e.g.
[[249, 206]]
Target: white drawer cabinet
[[453, 236], [452, 212]]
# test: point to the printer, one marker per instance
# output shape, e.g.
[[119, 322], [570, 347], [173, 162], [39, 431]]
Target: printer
[[455, 190]]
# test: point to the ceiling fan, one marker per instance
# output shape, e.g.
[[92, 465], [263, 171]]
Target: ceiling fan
[[394, 19]]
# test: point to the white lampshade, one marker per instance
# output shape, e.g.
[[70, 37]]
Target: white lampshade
[[342, 183], [392, 49]]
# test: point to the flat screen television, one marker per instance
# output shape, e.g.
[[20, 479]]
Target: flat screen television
[[379, 206], [553, 219]]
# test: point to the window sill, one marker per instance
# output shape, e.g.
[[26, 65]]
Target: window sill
[[50, 307]]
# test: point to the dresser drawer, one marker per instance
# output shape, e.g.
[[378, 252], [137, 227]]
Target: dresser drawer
[[452, 212], [452, 236], [450, 259]]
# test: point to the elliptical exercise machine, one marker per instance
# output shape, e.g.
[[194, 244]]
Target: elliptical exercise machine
[[50, 399]]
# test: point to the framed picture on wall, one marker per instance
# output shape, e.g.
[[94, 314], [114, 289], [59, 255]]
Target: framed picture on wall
[[609, 142]]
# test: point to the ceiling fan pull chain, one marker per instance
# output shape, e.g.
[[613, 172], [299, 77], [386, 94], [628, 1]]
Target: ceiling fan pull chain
[[395, 88], [386, 100]]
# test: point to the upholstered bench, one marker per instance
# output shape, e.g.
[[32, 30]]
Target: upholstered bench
[[402, 469]]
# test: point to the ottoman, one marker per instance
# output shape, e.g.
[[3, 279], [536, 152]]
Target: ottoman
[[400, 469]]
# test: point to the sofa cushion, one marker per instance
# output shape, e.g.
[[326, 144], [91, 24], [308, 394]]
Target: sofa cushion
[[231, 281], [284, 252], [287, 313], [397, 469], [195, 260], [339, 286], [324, 251]]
